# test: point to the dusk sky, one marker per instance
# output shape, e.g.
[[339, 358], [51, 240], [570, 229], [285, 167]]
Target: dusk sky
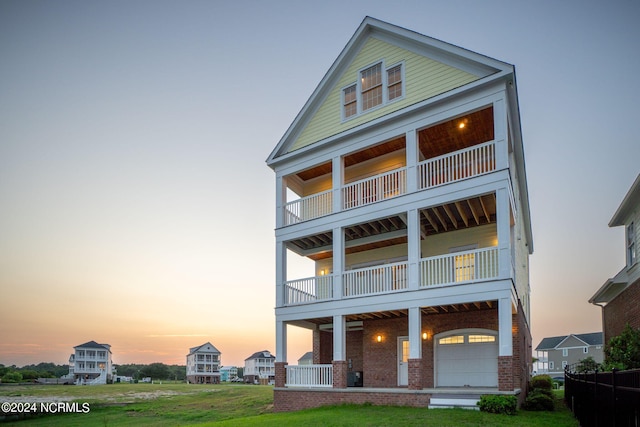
[[136, 208]]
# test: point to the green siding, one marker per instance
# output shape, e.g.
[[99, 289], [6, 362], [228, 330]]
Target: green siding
[[424, 78]]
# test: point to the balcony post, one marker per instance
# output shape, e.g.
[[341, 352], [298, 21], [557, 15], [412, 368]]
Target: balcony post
[[280, 200], [337, 177], [413, 249], [338, 262], [412, 161], [281, 273], [281, 341], [500, 134], [339, 352], [503, 219], [505, 324]]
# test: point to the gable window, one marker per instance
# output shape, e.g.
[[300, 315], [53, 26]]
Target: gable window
[[631, 245], [565, 352], [375, 86], [585, 350], [349, 101], [394, 82]]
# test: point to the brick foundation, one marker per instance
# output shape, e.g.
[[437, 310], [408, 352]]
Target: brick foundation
[[416, 377], [339, 374], [281, 373], [295, 400]]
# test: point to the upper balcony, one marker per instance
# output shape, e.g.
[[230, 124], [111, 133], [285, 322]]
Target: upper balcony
[[458, 149]]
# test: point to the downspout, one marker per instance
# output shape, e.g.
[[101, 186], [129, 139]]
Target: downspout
[[604, 338]]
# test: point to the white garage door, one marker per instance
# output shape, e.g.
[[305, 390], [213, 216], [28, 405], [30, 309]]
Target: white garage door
[[467, 359]]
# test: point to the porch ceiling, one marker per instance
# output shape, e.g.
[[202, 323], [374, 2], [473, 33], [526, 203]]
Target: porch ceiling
[[395, 314], [391, 231]]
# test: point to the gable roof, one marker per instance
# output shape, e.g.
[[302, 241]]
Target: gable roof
[[631, 200], [93, 344], [213, 349], [472, 63], [307, 356], [264, 354], [554, 343]]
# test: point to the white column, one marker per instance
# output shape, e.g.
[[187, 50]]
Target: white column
[[339, 338], [413, 248], [412, 160], [337, 177], [500, 134], [504, 326], [338, 261], [503, 220], [281, 341], [281, 272], [280, 200], [415, 339]]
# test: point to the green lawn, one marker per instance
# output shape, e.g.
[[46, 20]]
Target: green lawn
[[241, 405]]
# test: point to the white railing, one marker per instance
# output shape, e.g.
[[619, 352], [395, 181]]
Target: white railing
[[377, 279], [310, 207], [459, 267], [309, 289], [374, 189], [472, 161], [309, 376]]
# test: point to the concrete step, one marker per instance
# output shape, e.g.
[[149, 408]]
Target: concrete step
[[465, 401]]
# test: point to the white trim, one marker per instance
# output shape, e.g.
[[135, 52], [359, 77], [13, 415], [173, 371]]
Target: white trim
[[400, 364]]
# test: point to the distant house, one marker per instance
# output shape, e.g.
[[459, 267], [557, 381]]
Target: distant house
[[91, 363], [619, 297], [557, 352], [228, 373], [306, 359], [203, 364], [259, 368]]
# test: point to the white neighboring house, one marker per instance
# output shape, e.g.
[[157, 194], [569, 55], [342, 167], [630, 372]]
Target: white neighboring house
[[91, 363], [203, 364], [259, 368]]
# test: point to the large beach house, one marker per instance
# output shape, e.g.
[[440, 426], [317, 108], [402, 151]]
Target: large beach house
[[402, 180]]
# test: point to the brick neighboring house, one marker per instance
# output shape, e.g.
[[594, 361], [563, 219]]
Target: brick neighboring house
[[402, 184], [203, 364], [619, 296], [554, 353]]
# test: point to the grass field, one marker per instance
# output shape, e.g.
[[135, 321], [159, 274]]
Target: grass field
[[239, 405]]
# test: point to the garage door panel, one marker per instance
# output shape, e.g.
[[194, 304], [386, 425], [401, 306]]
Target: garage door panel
[[467, 364]]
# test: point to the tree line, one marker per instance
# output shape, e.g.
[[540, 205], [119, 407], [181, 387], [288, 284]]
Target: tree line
[[29, 373]]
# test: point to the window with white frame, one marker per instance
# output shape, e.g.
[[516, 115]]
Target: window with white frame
[[585, 350], [565, 352], [551, 364], [564, 364], [376, 86], [631, 245]]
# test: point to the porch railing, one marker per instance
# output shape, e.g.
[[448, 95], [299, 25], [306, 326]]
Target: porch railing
[[310, 289], [310, 207], [472, 161], [309, 376], [370, 190], [458, 267], [377, 279]]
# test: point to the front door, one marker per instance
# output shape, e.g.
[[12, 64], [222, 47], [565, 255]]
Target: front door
[[403, 361]]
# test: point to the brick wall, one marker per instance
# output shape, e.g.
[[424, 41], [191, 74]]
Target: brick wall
[[625, 308], [295, 400]]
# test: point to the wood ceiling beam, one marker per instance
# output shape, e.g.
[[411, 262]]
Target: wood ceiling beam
[[451, 216], [463, 215], [442, 221], [485, 210], [473, 212], [425, 213]]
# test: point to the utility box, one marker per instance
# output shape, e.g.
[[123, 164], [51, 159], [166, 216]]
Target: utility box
[[354, 379]]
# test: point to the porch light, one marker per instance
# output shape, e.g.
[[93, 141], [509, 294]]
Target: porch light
[[379, 338], [425, 335]]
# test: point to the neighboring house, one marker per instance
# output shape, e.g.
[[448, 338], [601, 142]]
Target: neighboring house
[[259, 368], [203, 364], [306, 359], [92, 364], [402, 181], [228, 373], [619, 297], [557, 352]]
